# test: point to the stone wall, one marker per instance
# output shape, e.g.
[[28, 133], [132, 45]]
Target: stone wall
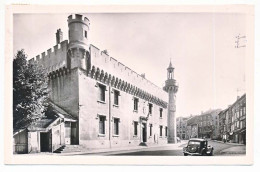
[[113, 67], [55, 57], [91, 108], [64, 90]]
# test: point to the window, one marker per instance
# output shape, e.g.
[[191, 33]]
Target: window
[[86, 34], [135, 127], [102, 92], [166, 131], [161, 128], [136, 104], [151, 129], [102, 124], [150, 108], [161, 110], [116, 97], [116, 126]]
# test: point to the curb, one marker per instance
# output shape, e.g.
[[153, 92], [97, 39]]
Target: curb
[[111, 150], [234, 144]]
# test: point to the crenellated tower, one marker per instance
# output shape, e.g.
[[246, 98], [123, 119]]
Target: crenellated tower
[[78, 48], [171, 87]]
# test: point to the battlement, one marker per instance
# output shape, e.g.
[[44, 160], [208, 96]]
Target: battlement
[[118, 69], [54, 58], [78, 18]]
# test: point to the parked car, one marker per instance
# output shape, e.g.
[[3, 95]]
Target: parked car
[[198, 146], [178, 140]]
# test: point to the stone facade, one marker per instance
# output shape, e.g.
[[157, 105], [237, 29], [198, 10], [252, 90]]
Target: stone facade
[[232, 122], [114, 106], [181, 124], [205, 125]]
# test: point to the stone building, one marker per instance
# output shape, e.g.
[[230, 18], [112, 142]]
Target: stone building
[[208, 124], [109, 104], [192, 127], [204, 125], [232, 122], [181, 123]]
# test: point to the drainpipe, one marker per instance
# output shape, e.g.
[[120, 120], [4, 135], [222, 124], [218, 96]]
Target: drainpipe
[[109, 113]]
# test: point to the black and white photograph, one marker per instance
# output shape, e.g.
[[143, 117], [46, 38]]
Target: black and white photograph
[[174, 84]]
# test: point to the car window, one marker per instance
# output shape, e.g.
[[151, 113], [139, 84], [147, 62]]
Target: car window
[[194, 142]]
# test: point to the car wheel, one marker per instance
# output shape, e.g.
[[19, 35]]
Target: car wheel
[[185, 154]]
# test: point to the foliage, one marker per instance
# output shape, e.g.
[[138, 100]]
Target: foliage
[[30, 91]]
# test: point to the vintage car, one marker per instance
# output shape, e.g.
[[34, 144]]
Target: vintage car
[[198, 147]]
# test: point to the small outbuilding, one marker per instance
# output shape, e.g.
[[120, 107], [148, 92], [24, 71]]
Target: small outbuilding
[[49, 133]]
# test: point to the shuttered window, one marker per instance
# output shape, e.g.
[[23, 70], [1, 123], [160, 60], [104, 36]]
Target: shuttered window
[[116, 126], [102, 124], [135, 128], [102, 92], [161, 128]]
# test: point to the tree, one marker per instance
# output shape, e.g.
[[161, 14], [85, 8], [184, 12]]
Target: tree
[[30, 91]]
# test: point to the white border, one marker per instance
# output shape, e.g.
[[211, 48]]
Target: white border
[[133, 160]]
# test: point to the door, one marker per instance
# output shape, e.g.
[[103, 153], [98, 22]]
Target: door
[[44, 141], [73, 133], [144, 133]]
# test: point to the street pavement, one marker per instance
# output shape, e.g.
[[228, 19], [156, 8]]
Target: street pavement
[[220, 149]]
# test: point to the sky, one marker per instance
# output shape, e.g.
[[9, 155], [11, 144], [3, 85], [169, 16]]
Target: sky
[[208, 67]]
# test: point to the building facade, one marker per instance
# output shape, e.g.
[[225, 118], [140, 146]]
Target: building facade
[[192, 127], [205, 125], [111, 105], [233, 122], [182, 127]]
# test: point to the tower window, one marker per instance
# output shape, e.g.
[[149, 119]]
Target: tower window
[[86, 34], [136, 104], [166, 132]]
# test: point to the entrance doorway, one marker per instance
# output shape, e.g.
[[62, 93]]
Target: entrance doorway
[[144, 132], [44, 140]]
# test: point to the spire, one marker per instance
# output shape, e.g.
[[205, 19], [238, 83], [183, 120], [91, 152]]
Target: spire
[[170, 70], [170, 65]]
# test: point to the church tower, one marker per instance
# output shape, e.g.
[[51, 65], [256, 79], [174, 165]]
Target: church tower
[[78, 49], [171, 87]]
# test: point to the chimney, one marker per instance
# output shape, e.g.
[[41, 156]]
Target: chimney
[[59, 36], [143, 75], [238, 97]]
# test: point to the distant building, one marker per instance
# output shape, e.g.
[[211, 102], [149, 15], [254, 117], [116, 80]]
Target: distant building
[[232, 122], [182, 127], [204, 125], [192, 127]]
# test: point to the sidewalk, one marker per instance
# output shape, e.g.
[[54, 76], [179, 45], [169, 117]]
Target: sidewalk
[[234, 150], [234, 144], [89, 151], [119, 149]]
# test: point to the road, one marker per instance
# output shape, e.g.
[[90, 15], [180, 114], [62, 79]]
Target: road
[[172, 150]]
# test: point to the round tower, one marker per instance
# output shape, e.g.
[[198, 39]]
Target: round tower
[[171, 87], [78, 48]]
